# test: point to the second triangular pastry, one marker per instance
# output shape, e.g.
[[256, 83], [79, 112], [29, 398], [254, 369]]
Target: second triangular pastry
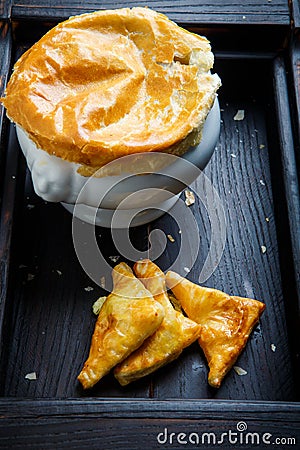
[[226, 322], [128, 316], [174, 334]]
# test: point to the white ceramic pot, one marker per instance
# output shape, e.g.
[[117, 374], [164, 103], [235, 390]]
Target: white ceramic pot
[[132, 196]]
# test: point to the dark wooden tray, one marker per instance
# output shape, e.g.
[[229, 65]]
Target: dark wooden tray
[[46, 319], [200, 11]]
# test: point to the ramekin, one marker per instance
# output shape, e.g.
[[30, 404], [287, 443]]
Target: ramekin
[[98, 198]]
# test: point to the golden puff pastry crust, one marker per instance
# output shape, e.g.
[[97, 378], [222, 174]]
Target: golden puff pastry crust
[[226, 322], [175, 333], [111, 83], [128, 316]]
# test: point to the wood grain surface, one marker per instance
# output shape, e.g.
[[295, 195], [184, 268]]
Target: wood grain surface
[[8, 172], [194, 11], [52, 321], [295, 87], [295, 14], [5, 9], [135, 424], [288, 162], [5, 58]]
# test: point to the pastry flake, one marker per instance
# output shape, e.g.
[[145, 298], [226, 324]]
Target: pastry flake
[[226, 322], [175, 333], [128, 316]]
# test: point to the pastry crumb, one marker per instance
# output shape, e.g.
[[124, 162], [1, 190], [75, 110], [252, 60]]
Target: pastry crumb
[[170, 237], [267, 219], [114, 258], [102, 282], [31, 376], [261, 146], [88, 288], [30, 206], [59, 272], [263, 248], [273, 347], [186, 269], [239, 370], [240, 115], [189, 197], [30, 276], [98, 305], [232, 155], [262, 182]]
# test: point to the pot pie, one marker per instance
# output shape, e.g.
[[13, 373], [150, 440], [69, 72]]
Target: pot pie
[[112, 83]]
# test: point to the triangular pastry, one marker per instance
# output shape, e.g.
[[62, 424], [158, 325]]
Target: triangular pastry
[[174, 334], [128, 316], [226, 322]]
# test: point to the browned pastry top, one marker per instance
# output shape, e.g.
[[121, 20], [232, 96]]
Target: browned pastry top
[[111, 83]]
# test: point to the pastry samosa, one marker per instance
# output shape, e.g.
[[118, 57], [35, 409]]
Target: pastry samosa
[[128, 316], [174, 334], [226, 322]]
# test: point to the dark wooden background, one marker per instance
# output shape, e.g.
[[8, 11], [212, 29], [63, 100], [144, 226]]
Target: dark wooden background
[[201, 11], [45, 312]]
